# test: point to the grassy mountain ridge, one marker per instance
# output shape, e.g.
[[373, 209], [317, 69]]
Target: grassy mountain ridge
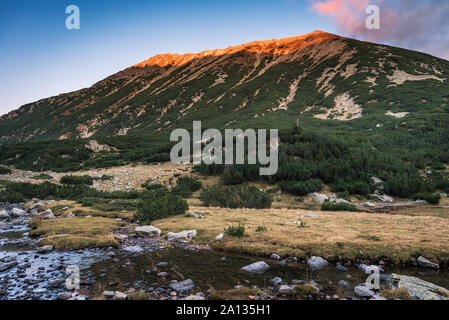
[[316, 77]]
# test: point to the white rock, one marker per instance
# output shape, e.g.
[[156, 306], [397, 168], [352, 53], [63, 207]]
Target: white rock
[[16, 212], [424, 263], [120, 295], [149, 230], [45, 249], [317, 263], [275, 256], [257, 267], [319, 198], [108, 294], [220, 236], [188, 234], [369, 205], [133, 249], [286, 290], [364, 292]]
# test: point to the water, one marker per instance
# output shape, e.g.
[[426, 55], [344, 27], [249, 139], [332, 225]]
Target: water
[[208, 269]]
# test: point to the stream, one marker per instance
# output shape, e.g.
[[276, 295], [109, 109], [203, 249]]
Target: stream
[[26, 273]]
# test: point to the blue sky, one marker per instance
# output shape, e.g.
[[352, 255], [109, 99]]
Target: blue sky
[[40, 58]]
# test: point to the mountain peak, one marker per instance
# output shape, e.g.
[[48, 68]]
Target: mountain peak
[[281, 46]]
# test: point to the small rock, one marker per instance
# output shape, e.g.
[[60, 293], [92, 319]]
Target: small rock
[[65, 296], [16, 212], [276, 281], [344, 284], [44, 249], [120, 295], [317, 263], [257, 267], [183, 286], [188, 234], [364, 292], [150, 231], [341, 268], [286, 290], [424, 263], [162, 265], [108, 294], [274, 256], [162, 274], [220, 236]]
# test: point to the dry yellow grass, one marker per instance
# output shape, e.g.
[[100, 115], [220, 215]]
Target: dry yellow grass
[[77, 233], [334, 235]]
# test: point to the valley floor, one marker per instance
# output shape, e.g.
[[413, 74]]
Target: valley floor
[[290, 228]]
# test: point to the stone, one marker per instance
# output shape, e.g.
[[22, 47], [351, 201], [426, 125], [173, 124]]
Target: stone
[[162, 274], [418, 289], [344, 284], [120, 295], [16, 212], [317, 263], [44, 249], [311, 215], [274, 256], [376, 180], [424, 263], [162, 265], [319, 198], [150, 231], [276, 281], [188, 234], [220, 236], [183, 286], [363, 292], [48, 216], [383, 198], [65, 295], [257, 267], [194, 298], [378, 297], [341, 268], [56, 283], [195, 214], [4, 214], [108, 294], [286, 290]]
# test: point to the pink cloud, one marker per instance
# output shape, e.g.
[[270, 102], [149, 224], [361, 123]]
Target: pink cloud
[[415, 24]]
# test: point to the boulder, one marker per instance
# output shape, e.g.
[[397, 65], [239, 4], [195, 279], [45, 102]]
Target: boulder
[[344, 284], [257, 267], [421, 202], [274, 256], [317, 263], [286, 290], [183, 286], [16, 212], [424, 263], [341, 268], [376, 180], [189, 234], [319, 198], [418, 289], [276, 281], [363, 291], [150, 231], [195, 214]]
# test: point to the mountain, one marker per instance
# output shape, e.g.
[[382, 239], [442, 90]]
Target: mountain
[[319, 78]]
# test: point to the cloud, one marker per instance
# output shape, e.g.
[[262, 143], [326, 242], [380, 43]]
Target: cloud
[[421, 25]]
